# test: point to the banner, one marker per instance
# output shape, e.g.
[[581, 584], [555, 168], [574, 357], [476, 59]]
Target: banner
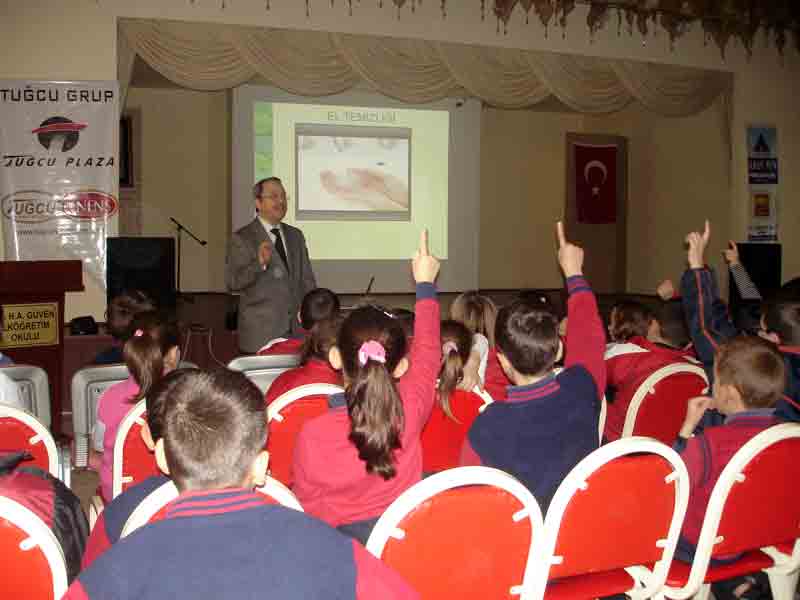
[[596, 183], [59, 146], [762, 177]]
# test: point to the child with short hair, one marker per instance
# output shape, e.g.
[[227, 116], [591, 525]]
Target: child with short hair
[[122, 310], [549, 422], [220, 538], [455, 409], [107, 530], [318, 305], [643, 344], [151, 352], [352, 462]]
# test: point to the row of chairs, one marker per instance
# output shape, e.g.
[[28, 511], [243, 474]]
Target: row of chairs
[[612, 527]]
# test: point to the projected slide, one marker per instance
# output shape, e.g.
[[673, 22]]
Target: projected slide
[[346, 172], [361, 181]]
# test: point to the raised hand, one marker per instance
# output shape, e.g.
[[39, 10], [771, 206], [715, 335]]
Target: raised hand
[[264, 253], [697, 243], [424, 266], [666, 290], [570, 256], [731, 254], [695, 409]]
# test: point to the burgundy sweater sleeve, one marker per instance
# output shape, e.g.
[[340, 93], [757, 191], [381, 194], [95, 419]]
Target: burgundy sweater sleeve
[[418, 386], [586, 340], [375, 579], [469, 458], [97, 543]]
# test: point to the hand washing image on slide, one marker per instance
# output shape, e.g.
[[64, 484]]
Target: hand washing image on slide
[[364, 175]]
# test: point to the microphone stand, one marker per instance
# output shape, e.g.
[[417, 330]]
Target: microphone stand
[[180, 228]]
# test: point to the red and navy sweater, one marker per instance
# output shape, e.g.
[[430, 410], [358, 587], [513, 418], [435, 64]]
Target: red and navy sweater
[[109, 525], [233, 543], [546, 428]]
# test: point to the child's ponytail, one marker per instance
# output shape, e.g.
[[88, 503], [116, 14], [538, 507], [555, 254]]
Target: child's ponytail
[[456, 345], [371, 345], [145, 353]]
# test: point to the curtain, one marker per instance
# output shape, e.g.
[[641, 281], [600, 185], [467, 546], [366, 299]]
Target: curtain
[[309, 63]]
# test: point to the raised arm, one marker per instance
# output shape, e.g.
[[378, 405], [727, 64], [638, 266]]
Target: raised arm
[[744, 284], [586, 340]]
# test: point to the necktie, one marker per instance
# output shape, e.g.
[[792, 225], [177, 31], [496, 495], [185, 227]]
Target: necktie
[[279, 246]]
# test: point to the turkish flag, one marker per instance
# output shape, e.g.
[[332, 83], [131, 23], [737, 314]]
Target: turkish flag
[[596, 183]]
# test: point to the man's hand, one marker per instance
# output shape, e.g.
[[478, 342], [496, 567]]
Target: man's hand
[[424, 266], [264, 254], [570, 256], [695, 409], [731, 254], [697, 246], [666, 290]]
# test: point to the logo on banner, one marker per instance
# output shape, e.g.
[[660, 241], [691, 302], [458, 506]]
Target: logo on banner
[[58, 134], [34, 206]]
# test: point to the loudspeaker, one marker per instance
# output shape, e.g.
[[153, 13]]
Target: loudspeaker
[[142, 263], [763, 263]]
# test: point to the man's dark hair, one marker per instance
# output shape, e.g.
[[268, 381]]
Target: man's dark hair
[[672, 322], [258, 188], [214, 428], [318, 304], [527, 335]]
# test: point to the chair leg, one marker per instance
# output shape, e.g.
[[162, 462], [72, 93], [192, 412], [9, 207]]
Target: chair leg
[[782, 586]]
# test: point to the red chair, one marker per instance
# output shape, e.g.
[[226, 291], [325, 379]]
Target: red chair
[[753, 510], [133, 461], [33, 562], [20, 430], [658, 406], [153, 507], [463, 533], [443, 437], [286, 415], [620, 508]]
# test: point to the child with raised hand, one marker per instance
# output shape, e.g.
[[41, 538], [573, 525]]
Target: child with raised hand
[[107, 529], [710, 325], [151, 352], [549, 422], [352, 462], [455, 409], [220, 538]]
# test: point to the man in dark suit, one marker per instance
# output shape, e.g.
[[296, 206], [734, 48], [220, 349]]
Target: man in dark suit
[[268, 265]]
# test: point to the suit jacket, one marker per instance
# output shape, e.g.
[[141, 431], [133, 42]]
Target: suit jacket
[[271, 297]]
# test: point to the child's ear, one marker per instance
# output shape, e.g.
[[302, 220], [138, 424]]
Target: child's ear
[[172, 358], [560, 352], [147, 437], [653, 329], [299, 320], [161, 457], [401, 368], [258, 470], [335, 358]]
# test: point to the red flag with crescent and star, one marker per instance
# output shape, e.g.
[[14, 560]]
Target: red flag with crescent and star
[[596, 183]]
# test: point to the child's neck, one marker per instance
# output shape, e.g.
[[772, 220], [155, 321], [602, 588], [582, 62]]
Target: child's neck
[[520, 379]]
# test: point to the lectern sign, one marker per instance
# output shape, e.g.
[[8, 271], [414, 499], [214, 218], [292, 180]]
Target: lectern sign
[[59, 177], [30, 325]]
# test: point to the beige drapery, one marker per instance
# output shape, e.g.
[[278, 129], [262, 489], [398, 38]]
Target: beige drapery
[[215, 57]]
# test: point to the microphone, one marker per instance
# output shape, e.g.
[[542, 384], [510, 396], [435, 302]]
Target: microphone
[[369, 286]]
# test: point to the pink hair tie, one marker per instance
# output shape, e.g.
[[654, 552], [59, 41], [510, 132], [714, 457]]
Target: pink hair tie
[[371, 350], [448, 347], [138, 333]]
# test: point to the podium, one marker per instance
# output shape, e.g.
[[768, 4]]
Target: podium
[[32, 299]]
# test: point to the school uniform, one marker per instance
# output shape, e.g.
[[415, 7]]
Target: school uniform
[[314, 370], [330, 479], [443, 437], [627, 366], [285, 345], [233, 543], [544, 429], [108, 528]]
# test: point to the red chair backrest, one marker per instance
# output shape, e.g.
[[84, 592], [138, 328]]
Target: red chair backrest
[[138, 462], [763, 509], [16, 436], [462, 543], [283, 434], [625, 509], [662, 412], [443, 437]]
